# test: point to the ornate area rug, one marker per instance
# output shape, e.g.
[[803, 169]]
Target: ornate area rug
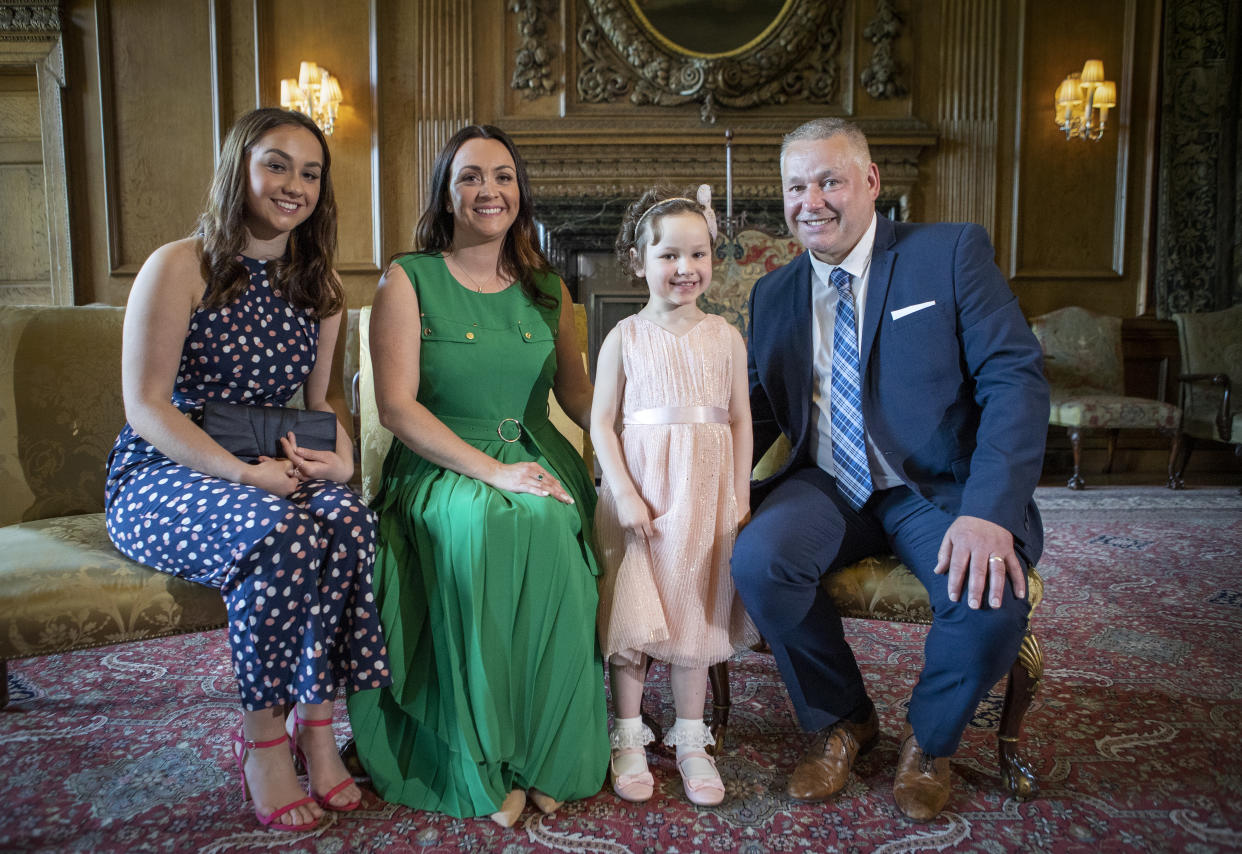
[[1134, 732]]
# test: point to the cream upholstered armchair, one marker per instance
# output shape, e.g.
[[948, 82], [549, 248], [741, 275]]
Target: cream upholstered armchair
[[375, 439], [1083, 363], [1211, 347]]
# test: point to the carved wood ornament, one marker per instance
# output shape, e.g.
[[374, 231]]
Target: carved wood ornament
[[29, 21], [532, 62], [795, 59], [882, 76]]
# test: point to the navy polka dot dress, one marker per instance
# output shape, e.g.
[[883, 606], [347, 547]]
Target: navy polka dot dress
[[295, 572]]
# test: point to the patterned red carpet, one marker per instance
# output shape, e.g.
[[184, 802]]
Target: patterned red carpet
[[1134, 732]]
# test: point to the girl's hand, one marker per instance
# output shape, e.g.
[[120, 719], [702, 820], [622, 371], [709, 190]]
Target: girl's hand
[[310, 464], [275, 476], [529, 477], [634, 515]]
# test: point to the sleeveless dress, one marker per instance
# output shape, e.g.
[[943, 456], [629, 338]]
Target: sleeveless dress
[[295, 572], [488, 597], [671, 596]]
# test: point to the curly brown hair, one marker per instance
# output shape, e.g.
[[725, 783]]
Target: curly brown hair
[[305, 274], [640, 225], [520, 256]]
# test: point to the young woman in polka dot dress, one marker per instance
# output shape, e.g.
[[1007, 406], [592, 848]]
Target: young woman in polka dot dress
[[249, 310]]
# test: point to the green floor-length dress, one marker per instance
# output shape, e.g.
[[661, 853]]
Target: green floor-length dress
[[487, 597]]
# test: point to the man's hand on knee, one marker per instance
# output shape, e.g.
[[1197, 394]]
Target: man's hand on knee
[[982, 552]]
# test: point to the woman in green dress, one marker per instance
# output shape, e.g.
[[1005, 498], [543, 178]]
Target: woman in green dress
[[484, 575]]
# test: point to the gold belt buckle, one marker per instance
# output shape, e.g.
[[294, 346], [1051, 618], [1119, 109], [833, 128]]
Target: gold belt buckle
[[500, 430]]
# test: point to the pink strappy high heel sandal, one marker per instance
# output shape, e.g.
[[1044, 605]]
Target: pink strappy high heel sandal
[[324, 800], [242, 747]]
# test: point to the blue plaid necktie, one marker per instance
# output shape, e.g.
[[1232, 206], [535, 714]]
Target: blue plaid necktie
[[849, 452]]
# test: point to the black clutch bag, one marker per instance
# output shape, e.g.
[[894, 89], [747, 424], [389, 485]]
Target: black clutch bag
[[249, 432]]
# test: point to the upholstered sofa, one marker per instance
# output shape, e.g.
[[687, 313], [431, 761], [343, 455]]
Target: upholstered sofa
[[62, 585]]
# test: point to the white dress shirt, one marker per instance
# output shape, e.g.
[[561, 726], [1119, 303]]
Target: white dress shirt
[[824, 300]]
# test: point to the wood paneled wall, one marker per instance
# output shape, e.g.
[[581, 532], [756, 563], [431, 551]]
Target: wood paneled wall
[[160, 83], [146, 89], [152, 86], [1078, 213]]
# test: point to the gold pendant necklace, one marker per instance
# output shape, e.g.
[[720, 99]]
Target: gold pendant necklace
[[477, 287]]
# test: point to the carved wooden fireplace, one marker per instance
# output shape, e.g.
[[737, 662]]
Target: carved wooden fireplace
[[616, 95]]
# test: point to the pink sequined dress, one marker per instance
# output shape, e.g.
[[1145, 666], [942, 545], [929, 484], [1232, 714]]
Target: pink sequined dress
[[672, 596]]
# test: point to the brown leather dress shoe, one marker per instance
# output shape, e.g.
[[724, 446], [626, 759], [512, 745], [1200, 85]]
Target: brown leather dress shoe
[[922, 786], [825, 768]]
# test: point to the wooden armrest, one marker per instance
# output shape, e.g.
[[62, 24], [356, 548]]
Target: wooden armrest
[[1214, 379]]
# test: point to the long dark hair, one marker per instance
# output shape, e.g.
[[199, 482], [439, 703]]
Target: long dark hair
[[305, 274], [520, 256]]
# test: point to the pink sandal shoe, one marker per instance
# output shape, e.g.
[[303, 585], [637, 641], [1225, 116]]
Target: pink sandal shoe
[[242, 747], [703, 785], [324, 800], [634, 788]]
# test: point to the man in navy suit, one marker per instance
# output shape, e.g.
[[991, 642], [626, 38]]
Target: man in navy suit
[[897, 362]]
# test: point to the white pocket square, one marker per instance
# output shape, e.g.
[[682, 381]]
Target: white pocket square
[[899, 313]]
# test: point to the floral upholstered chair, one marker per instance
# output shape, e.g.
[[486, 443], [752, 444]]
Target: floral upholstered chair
[[1083, 363], [737, 267], [881, 588], [1211, 345]]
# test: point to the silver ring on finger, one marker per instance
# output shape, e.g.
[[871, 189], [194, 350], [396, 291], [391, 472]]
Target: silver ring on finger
[[992, 558]]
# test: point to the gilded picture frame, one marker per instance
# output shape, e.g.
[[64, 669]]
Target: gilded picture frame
[[796, 57]]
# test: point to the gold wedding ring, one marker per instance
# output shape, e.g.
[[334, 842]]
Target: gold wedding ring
[[995, 557]]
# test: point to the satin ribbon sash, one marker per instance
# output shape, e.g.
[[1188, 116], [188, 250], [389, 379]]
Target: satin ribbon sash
[[679, 415]]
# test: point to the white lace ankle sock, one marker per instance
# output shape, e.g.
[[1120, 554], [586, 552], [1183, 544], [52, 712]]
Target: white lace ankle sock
[[630, 733], [689, 736]]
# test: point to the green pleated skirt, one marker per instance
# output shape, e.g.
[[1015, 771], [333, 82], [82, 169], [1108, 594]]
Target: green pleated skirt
[[488, 601]]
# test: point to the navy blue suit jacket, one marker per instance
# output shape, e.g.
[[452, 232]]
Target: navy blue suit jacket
[[954, 394]]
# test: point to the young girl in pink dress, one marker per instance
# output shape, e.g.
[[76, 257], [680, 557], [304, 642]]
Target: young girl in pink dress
[[671, 427]]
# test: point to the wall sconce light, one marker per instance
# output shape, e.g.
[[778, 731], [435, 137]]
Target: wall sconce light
[[315, 93], [1083, 100]]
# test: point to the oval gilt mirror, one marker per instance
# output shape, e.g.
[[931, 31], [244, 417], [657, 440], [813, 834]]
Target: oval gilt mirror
[[710, 28], [720, 53]]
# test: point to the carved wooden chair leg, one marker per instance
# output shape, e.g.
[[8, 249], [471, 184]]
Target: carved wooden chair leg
[[646, 716], [1113, 433], [1024, 679], [349, 756], [1187, 446], [1175, 452], [718, 675], [1076, 481]]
